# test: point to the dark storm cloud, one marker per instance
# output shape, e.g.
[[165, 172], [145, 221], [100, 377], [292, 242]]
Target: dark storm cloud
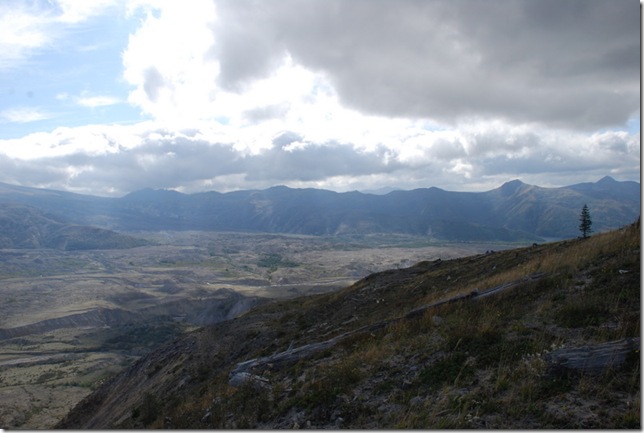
[[572, 63]]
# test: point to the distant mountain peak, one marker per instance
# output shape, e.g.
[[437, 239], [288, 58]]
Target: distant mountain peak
[[149, 193], [381, 191], [279, 188], [514, 182], [511, 186], [606, 180]]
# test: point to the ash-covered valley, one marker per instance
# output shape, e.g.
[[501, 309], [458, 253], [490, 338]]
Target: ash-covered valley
[[71, 319]]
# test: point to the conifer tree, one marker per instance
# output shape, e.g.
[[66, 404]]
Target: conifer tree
[[585, 222]]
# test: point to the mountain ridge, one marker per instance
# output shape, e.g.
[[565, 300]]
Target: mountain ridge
[[515, 211], [26, 227]]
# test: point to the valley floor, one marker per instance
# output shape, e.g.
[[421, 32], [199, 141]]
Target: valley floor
[[68, 319]]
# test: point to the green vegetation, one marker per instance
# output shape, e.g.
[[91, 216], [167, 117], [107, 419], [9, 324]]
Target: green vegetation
[[274, 261], [140, 338], [449, 370], [149, 409], [580, 313], [585, 222]]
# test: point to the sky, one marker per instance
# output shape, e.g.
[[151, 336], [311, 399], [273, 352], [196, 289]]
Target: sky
[[106, 97]]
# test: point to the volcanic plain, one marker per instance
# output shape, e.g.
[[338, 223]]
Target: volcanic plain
[[71, 319]]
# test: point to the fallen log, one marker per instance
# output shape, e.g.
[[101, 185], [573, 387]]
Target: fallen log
[[241, 373], [592, 360], [291, 355]]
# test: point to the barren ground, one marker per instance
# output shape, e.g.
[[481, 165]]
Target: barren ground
[[45, 373]]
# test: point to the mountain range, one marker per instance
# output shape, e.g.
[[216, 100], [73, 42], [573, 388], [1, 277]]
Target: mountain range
[[514, 212]]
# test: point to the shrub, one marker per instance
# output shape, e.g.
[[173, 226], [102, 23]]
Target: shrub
[[448, 370], [577, 315]]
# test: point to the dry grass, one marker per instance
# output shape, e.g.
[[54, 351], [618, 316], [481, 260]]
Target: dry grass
[[469, 364], [489, 351]]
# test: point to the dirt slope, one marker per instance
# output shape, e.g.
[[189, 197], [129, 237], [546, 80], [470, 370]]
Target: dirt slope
[[475, 362]]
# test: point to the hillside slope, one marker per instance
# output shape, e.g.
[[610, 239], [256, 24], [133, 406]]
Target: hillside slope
[[476, 342], [27, 227]]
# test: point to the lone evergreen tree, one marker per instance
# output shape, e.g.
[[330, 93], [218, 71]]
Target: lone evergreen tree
[[585, 222]]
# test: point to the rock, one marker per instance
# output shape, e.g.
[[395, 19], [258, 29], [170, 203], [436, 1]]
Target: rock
[[207, 417], [416, 401], [239, 379]]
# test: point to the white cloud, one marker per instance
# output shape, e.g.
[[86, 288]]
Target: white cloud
[[165, 60], [21, 31], [90, 140], [27, 27], [97, 101], [121, 158], [24, 115], [76, 11]]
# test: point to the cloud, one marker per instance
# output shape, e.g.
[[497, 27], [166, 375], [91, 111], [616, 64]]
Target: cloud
[[165, 60], [21, 31], [339, 94], [573, 65], [314, 162], [122, 158], [89, 101], [97, 101], [152, 83], [74, 11], [27, 28], [448, 62], [24, 115]]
